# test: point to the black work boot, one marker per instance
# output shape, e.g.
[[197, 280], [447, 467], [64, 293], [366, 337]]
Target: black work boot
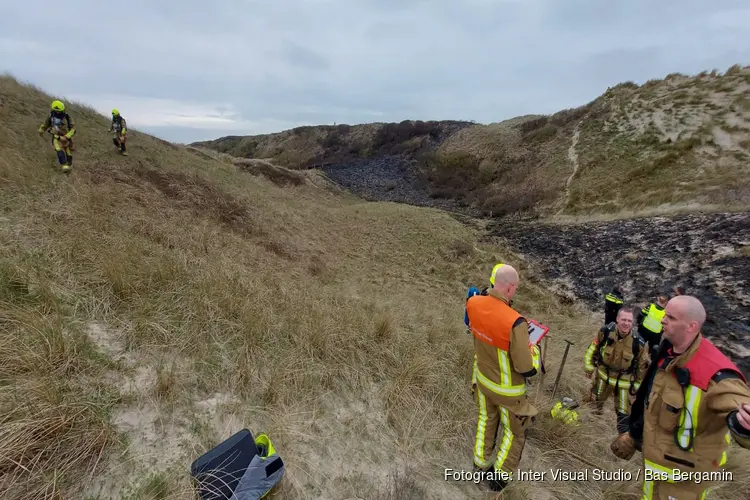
[[484, 474], [495, 482]]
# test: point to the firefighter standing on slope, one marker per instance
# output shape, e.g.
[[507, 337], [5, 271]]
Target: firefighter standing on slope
[[62, 129], [649, 322], [475, 291], [692, 401], [620, 361], [119, 127], [504, 360]]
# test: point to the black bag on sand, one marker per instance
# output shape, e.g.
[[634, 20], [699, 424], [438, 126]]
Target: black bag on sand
[[239, 468]]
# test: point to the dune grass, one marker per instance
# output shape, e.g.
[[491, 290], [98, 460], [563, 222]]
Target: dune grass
[[669, 143], [153, 305]]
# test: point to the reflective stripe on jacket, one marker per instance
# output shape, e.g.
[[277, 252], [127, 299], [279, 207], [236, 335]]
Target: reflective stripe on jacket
[[685, 425], [501, 342]]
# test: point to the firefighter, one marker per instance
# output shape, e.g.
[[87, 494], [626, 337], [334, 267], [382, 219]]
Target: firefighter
[[119, 127], [474, 291], [61, 127], [649, 321], [692, 402], [612, 303], [504, 360], [620, 361]]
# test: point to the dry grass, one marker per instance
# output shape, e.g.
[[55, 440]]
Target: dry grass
[[675, 142], [153, 305], [317, 145]]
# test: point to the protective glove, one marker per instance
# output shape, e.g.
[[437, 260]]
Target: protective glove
[[623, 446]]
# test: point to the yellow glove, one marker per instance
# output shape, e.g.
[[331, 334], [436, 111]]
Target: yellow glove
[[535, 357]]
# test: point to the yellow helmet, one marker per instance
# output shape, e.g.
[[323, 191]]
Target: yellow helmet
[[58, 106], [492, 274], [115, 112]]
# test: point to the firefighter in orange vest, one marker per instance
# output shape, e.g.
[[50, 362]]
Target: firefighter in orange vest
[[474, 291], [504, 360], [692, 401]]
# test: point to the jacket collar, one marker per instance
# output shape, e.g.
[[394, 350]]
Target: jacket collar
[[682, 359], [494, 293]]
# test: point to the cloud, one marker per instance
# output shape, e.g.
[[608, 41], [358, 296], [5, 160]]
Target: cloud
[[254, 66]]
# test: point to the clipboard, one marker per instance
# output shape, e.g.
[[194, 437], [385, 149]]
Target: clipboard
[[537, 331]]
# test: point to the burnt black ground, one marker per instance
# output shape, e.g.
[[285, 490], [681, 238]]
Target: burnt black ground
[[389, 178], [704, 253], [645, 256]]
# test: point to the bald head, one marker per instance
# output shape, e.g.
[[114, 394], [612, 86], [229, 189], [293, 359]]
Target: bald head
[[684, 317], [690, 308], [506, 281]]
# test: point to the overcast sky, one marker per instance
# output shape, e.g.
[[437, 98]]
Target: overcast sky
[[191, 70]]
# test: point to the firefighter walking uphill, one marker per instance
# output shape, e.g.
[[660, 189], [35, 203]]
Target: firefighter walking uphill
[[692, 402], [504, 358], [620, 361]]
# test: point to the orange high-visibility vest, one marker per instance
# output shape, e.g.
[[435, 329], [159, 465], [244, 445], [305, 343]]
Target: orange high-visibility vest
[[491, 320]]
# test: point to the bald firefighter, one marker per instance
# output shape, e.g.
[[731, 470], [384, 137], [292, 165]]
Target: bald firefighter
[[504, 360], [474, 291], [61, 128], [692, 402], [620, 361], [649, 321]]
